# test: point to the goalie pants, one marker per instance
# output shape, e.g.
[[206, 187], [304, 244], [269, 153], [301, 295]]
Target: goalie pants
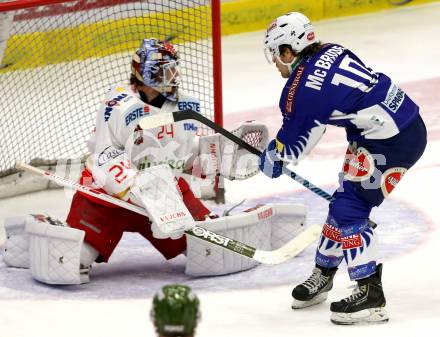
[[368, 179], [105, 225]]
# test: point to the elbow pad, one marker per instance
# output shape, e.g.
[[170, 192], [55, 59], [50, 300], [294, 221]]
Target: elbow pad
[[112, 171]]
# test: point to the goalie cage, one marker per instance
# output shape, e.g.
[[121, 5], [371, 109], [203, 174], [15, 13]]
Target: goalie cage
[[58, 58]]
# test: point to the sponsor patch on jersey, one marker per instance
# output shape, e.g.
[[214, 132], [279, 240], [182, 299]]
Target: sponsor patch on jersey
[[108, 154], [188, 105], [394, 98], [293, 89], [135, 114], [189, 127], [358, 164], [174, 164], [110, 104], [351, 241], [331, 233], [390, 178]]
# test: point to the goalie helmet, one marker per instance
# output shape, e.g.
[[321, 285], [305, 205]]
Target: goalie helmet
[[293, 29], [155, 64], [175, 311]]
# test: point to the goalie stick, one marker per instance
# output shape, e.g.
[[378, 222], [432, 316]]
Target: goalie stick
[[150, 122], [277, 256]]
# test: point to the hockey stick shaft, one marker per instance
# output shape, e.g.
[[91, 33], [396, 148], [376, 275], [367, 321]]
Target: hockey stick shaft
[[290, 249], [150, 122]]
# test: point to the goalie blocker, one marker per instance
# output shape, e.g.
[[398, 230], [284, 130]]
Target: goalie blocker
[[57, 254]]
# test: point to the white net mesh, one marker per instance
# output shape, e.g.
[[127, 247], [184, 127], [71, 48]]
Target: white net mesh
[[60, 60]]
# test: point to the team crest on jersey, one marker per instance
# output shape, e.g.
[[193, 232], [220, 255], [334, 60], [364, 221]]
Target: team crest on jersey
[[358, 164], [390, 178], [138, 137]]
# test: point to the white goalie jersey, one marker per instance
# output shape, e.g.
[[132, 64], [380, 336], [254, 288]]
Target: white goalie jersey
[[119, 148]]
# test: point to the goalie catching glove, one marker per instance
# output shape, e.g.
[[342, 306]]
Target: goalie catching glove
[[219, 155]]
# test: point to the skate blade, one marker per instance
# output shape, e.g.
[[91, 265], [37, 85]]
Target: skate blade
[[367, 316], [304, 304]]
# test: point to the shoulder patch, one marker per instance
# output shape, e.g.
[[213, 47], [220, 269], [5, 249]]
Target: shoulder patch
[[113, 102]]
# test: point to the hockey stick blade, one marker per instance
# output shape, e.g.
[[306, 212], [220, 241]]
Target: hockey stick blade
[[280, 255], [277, 256], [290, 249]]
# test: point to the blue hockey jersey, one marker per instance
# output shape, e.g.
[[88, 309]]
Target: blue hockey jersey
[[333, 86]]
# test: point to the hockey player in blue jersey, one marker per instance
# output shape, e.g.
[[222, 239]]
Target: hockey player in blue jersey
[[327, 84]]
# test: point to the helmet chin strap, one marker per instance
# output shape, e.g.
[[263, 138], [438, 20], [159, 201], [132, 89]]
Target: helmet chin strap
[[291, 65]]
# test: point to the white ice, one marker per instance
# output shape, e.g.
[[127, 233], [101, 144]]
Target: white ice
[[401, 43]]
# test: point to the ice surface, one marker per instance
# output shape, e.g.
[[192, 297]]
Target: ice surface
[[401, 43]]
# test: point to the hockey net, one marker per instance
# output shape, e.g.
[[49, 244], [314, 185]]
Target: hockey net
[[58, 59]]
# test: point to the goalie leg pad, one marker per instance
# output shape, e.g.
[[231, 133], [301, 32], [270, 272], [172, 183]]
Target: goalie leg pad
[[265, 227], [204, 259], [287, 221], [55, 251], [16, 248]]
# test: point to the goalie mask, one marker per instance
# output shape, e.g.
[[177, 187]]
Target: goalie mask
[[175, 311], [155, 64], [292, 29]]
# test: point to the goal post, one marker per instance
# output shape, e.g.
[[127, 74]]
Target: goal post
[[58, 59]]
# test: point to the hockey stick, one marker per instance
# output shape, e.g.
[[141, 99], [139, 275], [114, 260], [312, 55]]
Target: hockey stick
[[282, 254], [150, 122]]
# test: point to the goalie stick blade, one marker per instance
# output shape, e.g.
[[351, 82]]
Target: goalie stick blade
[[290, 249], [151, 122]]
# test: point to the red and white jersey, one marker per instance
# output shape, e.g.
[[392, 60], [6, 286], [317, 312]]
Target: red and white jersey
[[119, 148]]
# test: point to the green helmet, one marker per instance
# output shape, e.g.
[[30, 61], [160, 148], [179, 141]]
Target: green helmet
[[175, 311]]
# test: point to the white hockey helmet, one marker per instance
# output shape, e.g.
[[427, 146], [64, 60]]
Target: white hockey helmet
[[293, 29]]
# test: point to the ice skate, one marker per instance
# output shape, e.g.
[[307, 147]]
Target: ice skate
[[315, 289], [365, 306]]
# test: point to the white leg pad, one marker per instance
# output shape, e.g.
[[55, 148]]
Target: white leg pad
[[16, 248], [55, 252], [261, 227], [288, 221]]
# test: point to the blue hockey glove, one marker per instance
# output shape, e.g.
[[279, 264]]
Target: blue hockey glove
[[269, 163]]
